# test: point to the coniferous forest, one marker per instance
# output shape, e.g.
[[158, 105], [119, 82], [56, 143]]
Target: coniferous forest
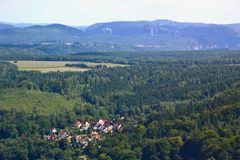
[[170, 105]]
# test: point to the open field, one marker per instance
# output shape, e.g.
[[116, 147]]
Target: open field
[[54, 66]]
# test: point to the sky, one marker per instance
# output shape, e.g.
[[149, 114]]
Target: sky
[[86, 12]]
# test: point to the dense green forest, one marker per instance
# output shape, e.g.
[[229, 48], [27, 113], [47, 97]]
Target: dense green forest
[[176, 105], [161, 57]]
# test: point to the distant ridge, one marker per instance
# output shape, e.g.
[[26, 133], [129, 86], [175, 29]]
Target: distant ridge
[[5, 26], [60, 27], [131, 35]]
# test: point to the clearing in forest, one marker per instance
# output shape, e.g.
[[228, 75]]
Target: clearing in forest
[[54, 66]]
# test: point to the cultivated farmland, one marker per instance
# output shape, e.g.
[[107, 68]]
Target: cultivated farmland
[[54, 66]]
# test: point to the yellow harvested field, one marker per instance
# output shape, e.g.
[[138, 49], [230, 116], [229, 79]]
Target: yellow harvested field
[[55, 66], [55, 69]]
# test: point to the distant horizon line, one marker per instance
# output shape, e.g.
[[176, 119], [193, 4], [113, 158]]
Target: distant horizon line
[[86, 25]]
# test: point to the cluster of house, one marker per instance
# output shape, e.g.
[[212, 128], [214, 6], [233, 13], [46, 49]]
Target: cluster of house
[[84, 132]]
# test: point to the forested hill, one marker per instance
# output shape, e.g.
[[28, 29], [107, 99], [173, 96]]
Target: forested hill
[[5, 26], [171, 108], [127, 35]]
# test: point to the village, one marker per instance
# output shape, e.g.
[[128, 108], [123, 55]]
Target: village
[[81, 133]]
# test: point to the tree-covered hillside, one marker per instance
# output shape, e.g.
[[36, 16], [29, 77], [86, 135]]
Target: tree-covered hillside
[[29, 101], [173, 105]]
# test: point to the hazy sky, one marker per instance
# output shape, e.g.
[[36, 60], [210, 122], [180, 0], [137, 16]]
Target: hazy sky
[[85, 12]]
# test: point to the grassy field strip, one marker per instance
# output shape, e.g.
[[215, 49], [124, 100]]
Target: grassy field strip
[[54, 66], [59, 69]]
